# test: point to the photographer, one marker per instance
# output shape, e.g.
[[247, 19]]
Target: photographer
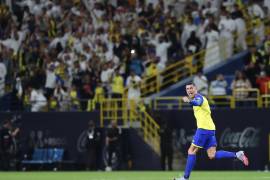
[[7, 147], [93, 142]]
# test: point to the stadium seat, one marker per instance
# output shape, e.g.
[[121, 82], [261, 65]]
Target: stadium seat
[[45, 156]]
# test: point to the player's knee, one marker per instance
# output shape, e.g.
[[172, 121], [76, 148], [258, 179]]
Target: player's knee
[[191, 151], [211, 155]]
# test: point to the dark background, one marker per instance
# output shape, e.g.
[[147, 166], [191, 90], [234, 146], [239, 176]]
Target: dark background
[[245, 129]]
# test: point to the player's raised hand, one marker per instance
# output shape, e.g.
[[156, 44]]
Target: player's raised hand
[[186, 99]]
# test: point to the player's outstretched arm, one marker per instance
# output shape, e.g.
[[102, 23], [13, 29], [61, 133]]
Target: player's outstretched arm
[[186, 99]]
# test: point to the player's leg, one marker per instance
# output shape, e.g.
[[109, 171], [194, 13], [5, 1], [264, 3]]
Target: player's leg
[[198, 142], [214, 154], [191, 160], [221, 154]]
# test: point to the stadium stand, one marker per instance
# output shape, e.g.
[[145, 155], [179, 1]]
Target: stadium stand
[[58, 55]]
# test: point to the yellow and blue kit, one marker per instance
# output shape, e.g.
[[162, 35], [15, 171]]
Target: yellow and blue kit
[[205, 133]]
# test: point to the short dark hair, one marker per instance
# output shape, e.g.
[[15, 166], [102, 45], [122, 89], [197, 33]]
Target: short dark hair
[[190, 83]]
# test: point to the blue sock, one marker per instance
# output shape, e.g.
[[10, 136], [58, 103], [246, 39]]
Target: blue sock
[[224, 154], [191, 160]]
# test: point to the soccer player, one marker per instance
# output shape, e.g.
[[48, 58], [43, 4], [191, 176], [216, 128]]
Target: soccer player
[[205, 135]]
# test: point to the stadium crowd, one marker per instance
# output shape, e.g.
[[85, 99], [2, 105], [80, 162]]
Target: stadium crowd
[[254, 74], [54, 53]]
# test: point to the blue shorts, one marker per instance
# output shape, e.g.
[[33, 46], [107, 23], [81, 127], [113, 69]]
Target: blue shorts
[[204, 139]]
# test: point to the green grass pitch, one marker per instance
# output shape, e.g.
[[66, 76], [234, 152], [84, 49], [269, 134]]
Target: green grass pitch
[[135, 175]]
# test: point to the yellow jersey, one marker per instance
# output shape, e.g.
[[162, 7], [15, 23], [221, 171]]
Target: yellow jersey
[[118, 84], [202, 113]]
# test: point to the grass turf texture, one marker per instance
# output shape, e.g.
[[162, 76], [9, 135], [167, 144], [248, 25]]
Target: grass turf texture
[[147, 175]]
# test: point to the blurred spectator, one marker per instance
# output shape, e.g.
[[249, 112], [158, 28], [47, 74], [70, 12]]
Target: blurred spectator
[[241, 32], [253, 57], [193, 43], [253, 65], [61, 95], [106, 74], [162, 46], [98, 97], [212, 55], [51, 42], [240, 82], [218, 89], [50, 80], [52, 104], [237, 11], [252, 71], [188, 28], [151, 68], [136, 64], [3, 73], [38, 100], [201, 83], [73, 94], [265, 53], [227, 28], [255, 9], [8, 134], [266, 4], [113, 143], [117, 85], [166, 146], [92, 144], [218, 86], [263, 82], [86, 93], [257, 13], [133, 83]]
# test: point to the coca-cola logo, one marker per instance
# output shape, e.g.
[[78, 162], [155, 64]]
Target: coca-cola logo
[[81, 142], [248, 138]]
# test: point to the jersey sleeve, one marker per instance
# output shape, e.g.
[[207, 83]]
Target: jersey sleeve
[[197, 101]]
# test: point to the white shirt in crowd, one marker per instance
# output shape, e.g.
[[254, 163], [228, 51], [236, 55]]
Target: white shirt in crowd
[[218, 88], [241, 33], [11, 43], [133, 84], [256, 10], [162, 50], [212, 55], [50, 79], [266, 3], [38, 100], [3, 73], [201, 83], [106, 75]]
